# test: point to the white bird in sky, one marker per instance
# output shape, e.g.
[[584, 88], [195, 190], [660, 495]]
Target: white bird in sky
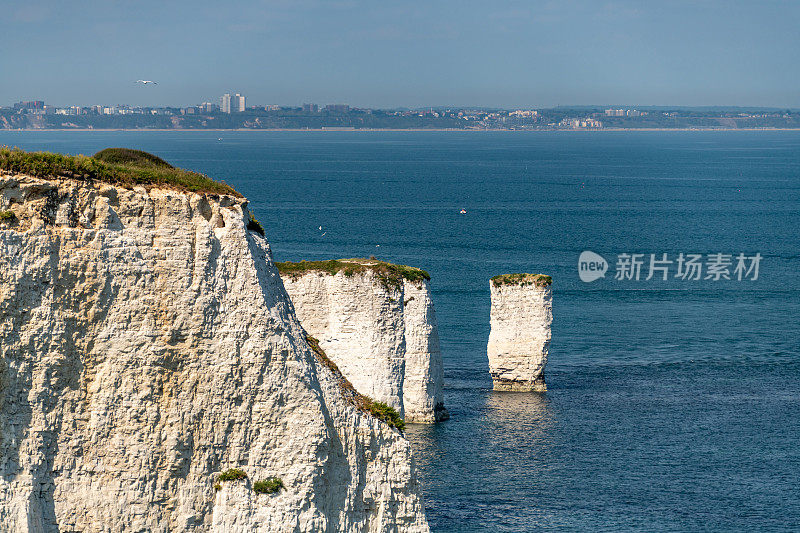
[[145, 82]]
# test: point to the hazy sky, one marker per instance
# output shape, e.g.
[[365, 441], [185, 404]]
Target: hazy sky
[[386, 53]]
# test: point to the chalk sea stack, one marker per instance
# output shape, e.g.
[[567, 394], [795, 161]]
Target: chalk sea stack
[[521, 314], [376, 321]]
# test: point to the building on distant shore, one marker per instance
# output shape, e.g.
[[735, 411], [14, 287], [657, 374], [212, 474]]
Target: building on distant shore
[[580, 123], [625, 113], [208, 107], [232, 103], [310, 108]]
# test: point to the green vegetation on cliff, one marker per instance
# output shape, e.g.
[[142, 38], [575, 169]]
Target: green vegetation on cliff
[[386, 413], [268, 486], [254, 225], [540, 280], [128, 156], [389, 274], [117, 166], [234, 474]]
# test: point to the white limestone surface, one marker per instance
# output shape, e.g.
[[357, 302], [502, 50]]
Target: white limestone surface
[[146, 345], [520, 317], [382, 336]]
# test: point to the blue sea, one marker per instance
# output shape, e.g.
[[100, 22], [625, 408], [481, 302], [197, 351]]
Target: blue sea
[[671, 405]]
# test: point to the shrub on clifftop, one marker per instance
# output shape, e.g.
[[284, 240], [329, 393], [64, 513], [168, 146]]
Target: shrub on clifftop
[[117, 166], [128, 156]]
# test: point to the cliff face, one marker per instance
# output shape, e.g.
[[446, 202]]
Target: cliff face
[[521, 314], [423, 394], [383, 337], [147, 345]]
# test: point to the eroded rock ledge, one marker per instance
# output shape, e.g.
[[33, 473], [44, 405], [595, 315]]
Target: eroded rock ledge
[[147, 344], [521, 314], [376, 321]]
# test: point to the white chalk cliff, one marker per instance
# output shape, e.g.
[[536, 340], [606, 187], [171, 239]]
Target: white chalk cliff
[[146, 345], [382, 335], [520, 316]]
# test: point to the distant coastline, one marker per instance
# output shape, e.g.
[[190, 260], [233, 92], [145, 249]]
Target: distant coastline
[[36, 115]]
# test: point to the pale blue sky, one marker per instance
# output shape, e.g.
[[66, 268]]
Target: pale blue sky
[[386, 53]]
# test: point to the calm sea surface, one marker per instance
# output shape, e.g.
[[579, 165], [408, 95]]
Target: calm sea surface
[[672, 405]]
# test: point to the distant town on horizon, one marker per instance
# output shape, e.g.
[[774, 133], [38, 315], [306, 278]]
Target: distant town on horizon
[[232, 113]]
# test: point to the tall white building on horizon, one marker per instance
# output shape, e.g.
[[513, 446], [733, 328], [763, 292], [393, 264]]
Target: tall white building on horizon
[[232, 103]]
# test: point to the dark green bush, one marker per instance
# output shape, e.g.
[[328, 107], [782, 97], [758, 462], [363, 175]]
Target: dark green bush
[[128, 156], [268, 486], [7, 215], [234, 474]]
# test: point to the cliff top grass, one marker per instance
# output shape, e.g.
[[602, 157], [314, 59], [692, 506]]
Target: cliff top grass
[[128, 156], [116, 166], [389, 274], [366, 404], [540, 280]]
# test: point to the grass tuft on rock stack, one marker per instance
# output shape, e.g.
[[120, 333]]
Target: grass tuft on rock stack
[[540, 280]]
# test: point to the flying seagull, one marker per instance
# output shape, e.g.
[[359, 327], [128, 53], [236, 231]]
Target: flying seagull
[[145, 82]]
